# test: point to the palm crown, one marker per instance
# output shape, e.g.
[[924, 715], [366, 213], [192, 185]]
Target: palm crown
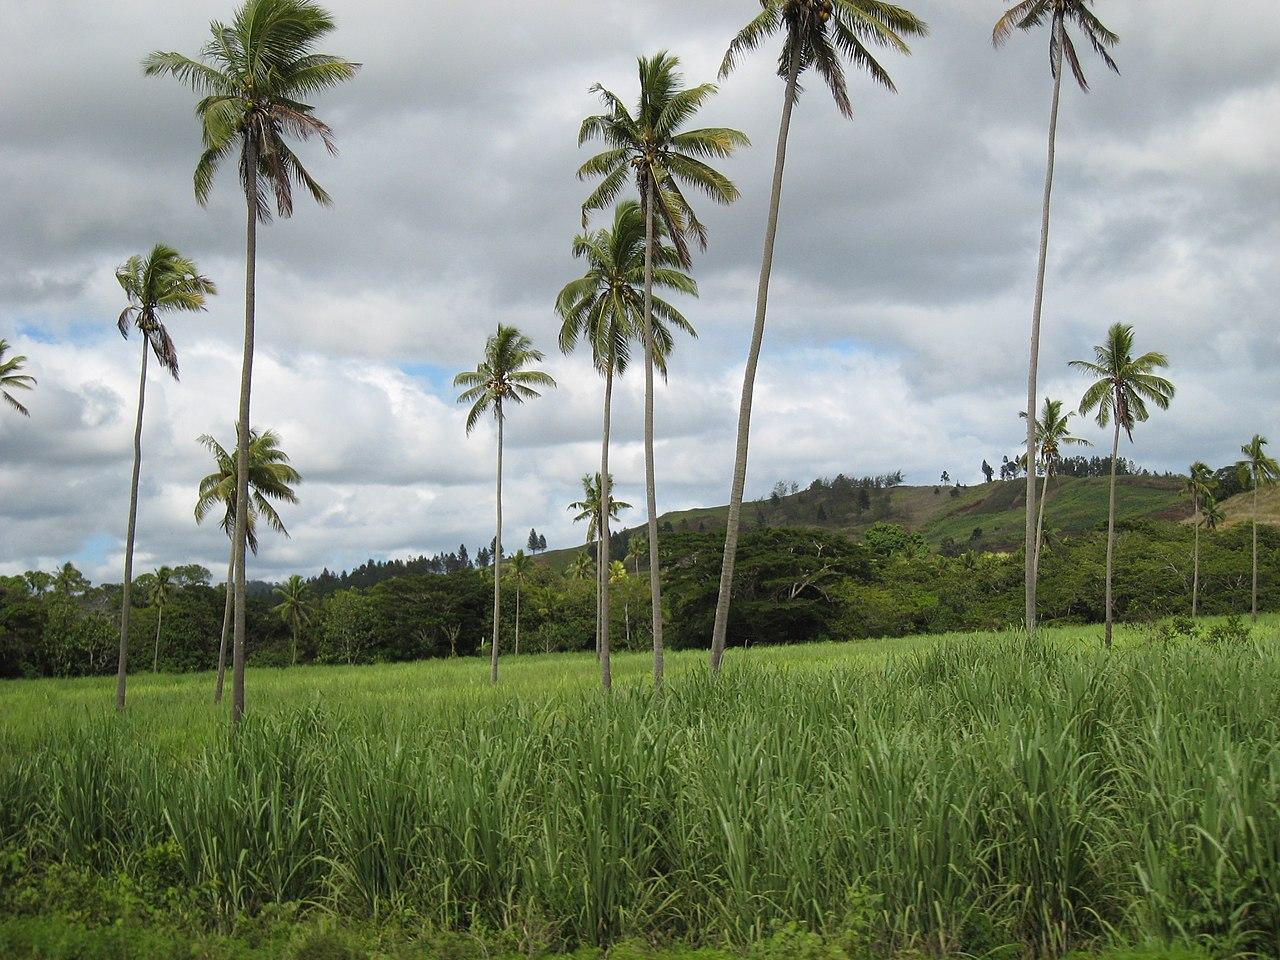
[[501, 376], [161, 587], [1053, 432], [1030, 14], [651, 146], [1124, 383], [11, 378], [293, 605], [270, 478], [1199, 484], [254, 75], [820, 32], [605, 306], [162, 282], [1261, 467], [589, 506]]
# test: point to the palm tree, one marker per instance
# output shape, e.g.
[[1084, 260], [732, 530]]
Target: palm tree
[[817, 33], [618, 575], [1028, 15], [500, 378], [1119, 393], [1199, 487], [1053, 432], [162, 588], [1263, 472], [605, 309], [12, 379], [294, 607], [652, 146], [588, 509], [270, 478], [520, 569], [163, 282], [1212, 513], [581, 566], [253, 77]]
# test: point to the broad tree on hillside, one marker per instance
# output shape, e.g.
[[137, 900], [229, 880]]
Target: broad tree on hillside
[[1199, 486], [160, 593], [500, 378], [271, 477], [1053, 432], [1122, 386], [254, 77], [653, 147], [817, 34], [294, 608], [161, 283], [1028, 15], [1263, 472], [604, 308], [12, 378]]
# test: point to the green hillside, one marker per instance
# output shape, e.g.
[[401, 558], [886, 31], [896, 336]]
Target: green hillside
[[987, 516]]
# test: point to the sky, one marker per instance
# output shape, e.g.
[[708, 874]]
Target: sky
[[901, 296]]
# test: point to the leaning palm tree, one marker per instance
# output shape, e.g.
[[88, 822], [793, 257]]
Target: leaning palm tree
[[520, 569], [817, 34], [161, 592], [1199, 486], [652, 146], [604, 308], [253, 76], [11, 378], [294, 608], [1053, 432], [1027, 15], [500, 378], [163, 282], [1263, 472], [1123, 384], [270, 478]]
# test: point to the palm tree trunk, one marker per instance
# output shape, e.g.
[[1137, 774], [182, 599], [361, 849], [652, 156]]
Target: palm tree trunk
[[126, 600], [602, 555], [650, 484], [240, 537], [295, 641], [1255, 545], [497, 560], [226, 623], [1111, 526], [1033, 364], [155, 659], [720, 630], [1195, 565], [517, 650], [1044, 495]]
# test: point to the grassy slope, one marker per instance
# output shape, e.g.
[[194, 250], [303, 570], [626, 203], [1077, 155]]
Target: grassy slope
[[1239, 509]]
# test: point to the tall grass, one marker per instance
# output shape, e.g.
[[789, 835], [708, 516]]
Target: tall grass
[[959, 798]]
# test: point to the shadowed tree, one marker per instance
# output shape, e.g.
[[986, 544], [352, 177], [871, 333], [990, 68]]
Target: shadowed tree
[[1123, 386], [501, 378], [816, 34], [159, 595], [652, 147], [12, 377], [1199, 486], [294, 608], [1212, 512], [1029, 15], [270, 478], [254, 76], [1053, 432], [162, 283], [1263, 472], [604, 308], [520, 567]]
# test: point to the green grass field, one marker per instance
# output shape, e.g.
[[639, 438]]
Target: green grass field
[[968, 795]]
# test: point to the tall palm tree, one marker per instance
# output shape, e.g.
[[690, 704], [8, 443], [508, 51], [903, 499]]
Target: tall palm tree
[[589, 509], [605, 309], [270, 478], [11, 378], [1263, 472], [521, 567], [652, 146], [253, 77], [1053, 432], [1027, 15], [817, 34], [636, 548], [618, 575], [500, 378], [161, 592], [1199, 486], [294, 607], [161, 283], [1123, 384]]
